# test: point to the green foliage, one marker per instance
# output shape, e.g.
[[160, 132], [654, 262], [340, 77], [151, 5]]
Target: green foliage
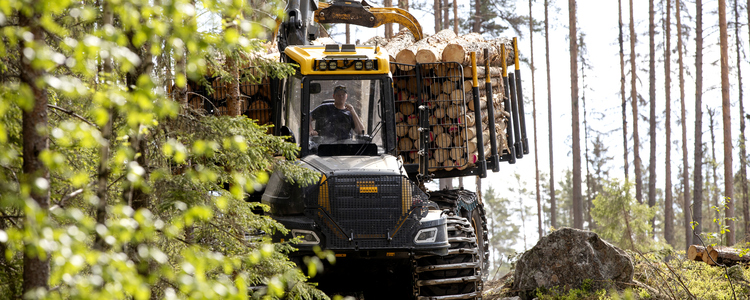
[[620, 219], [186, 175], [503, 231]]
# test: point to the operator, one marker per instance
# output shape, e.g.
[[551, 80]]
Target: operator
[[336, 120]]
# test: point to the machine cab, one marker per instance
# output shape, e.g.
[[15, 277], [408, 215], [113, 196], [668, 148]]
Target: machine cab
[[339, 102]]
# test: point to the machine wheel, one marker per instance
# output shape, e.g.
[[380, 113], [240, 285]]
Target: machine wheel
[[456, 275]]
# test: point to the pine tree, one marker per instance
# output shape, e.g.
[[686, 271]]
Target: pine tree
[[668, 204], [683, 122], [698, 153], [572, 34], [652, 110], [533, 104], [553, 204], [634, 104], [727, 117], [621, 40]]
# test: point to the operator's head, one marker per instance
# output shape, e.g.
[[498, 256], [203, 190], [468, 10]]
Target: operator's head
[[339, 95]]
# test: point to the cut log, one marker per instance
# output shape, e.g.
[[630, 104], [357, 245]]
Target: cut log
[[414, 133], [406, 108], [443, 140], [405, 144], [431, 48], [724, 255], [402, 129], [412, 120], [441, 155], [400, 41], [695, 252], [495, 72]]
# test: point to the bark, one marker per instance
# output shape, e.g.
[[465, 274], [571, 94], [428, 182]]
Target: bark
[[389, 26], [698, 152], [589, 178], [634, 105], [36, 271], [668, 201], [714, 166], [572, 34], [553, 204], [533, 105], [477, 17], [446, 14], [724, 255], [348, 34], [652, 113], [743, 151], [622, 91], [437, 14], [727, 117], [685, 180], [455, 16]]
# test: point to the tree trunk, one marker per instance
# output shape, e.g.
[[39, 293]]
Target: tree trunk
[[572, 31], [455, 16], [348, 34], [685, 178], [477, 16], [652, 113], [388, 26], [553, 204], [437, 13], [668, 202], [36, 271], [403, 4], [533, 105], [446, 14], [725, 103], [698, 152], [634, 104], [714, 166], [589, 179], [743, 150], [621, 40]]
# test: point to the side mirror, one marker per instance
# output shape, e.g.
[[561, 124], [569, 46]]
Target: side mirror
[[285, 131], [315, 88]]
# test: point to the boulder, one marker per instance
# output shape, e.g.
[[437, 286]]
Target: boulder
[[565, 258]]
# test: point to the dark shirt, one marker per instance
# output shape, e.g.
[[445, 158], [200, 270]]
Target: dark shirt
[[332, 122]]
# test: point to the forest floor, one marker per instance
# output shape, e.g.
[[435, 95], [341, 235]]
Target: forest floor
[[654, 278]]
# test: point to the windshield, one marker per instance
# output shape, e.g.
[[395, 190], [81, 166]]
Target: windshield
[[345, 112]]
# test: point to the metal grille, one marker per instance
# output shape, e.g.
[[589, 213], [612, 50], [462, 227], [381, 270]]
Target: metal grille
[[405, 93], [440, 86], [363, 209]]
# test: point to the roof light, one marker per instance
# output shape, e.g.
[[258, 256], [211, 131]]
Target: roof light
[[369, 64], [358, 65], [323, 65], [332, 65]]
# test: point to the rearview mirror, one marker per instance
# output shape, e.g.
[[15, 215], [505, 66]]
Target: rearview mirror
[[314, 88]]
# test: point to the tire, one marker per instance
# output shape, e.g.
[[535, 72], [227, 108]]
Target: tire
[[453, 276]]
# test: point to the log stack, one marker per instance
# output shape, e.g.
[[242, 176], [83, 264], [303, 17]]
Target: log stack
[[448, 101]]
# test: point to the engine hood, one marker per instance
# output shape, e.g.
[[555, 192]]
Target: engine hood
[[356, 165]]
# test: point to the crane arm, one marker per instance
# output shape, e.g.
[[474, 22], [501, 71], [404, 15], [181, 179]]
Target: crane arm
[[362, 14]]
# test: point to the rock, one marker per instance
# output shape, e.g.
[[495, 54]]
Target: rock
[[565, 258]]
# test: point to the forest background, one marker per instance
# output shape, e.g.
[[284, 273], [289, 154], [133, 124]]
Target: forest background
[[94, 152]]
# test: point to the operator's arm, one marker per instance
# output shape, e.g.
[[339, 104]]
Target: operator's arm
[[358, 127], [310, 123]]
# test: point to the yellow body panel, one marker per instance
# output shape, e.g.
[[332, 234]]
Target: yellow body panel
[[306, 56]]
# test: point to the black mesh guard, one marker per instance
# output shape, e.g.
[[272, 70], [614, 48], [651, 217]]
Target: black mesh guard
[[367, 211]]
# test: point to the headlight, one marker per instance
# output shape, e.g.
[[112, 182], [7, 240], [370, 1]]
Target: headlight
[[307, 237], [426, 235]]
